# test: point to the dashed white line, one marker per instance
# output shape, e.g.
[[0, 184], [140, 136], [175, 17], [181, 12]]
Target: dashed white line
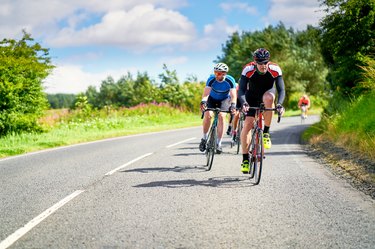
[[34, 222], [169, 146], [126, 164]]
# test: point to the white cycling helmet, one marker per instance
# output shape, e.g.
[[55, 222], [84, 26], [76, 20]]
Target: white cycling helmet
[[222, 67]]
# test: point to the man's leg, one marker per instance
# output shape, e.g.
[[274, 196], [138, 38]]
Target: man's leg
[[245, 134], [230, 124], [206, 122], [245, 140], [220, 125], [220, 131], [268, 100], [235, 120], [206, 127], [235, 125]]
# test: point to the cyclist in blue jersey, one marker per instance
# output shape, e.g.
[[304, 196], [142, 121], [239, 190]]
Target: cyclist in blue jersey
[[220, 92], [257, 85]]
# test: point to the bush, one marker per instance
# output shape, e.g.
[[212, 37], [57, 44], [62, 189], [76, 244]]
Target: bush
[[23, 66]]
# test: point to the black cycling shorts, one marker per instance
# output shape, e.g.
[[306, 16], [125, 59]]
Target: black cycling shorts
[[256, 100], [222, 104]]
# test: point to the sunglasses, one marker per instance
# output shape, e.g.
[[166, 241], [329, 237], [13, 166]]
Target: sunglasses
[[219, 73], [262, 62]]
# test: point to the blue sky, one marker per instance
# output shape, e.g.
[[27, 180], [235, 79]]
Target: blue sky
[[90, 40]]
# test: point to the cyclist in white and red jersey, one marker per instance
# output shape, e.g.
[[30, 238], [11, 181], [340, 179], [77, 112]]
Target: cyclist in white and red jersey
[[257, 85]]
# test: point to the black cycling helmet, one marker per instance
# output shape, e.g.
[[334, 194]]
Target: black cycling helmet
[[261, 55]]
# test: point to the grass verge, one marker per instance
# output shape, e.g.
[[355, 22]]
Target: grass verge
[[346, 142], [119, 123], [64, 128]]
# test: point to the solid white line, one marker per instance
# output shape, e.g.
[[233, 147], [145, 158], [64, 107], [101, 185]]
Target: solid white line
[[180, 142], [26, 228], [126, 164]]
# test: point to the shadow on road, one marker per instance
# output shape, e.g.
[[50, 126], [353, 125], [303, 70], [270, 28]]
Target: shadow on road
[[285, 153], [184, 169], [222, 182]]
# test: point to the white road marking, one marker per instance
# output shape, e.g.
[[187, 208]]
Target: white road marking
[[169, 146], [126, 164], [34, 222]]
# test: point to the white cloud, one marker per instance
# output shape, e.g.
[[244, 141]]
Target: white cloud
[[213, 35], [295, 13], [43, 17], [219, 29], [142, 26], [74, 79], [243, 7]]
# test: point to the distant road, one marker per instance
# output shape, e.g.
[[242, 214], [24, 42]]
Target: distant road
[[152, 191]]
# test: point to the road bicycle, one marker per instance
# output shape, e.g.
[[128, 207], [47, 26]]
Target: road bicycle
[[211, 142], [303, 113], [236, 138], [256, 147]]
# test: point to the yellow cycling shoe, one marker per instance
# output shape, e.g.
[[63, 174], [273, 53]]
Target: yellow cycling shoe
[[267, 141], [245, 167]]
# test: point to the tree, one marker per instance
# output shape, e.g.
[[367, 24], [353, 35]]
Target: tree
[[144, 91], [61, 100], [348, 35], [297, 53], [170, 89], [92, 96], [109, 92], [23, 66]]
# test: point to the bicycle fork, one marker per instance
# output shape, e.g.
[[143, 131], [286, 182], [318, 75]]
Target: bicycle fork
[[256, 145]]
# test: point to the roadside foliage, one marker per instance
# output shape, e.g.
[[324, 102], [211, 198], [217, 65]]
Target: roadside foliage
[[23, 66]]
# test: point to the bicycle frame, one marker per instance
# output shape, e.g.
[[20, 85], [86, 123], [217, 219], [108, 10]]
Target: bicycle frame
[[212, 137], [237, 139], [256, 147]]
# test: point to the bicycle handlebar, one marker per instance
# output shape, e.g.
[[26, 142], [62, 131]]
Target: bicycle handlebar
[[215, 110], [268, 109]]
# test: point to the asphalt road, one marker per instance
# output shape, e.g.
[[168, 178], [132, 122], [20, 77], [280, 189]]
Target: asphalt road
[[152, 191]]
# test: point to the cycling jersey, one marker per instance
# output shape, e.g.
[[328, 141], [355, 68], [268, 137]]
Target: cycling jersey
[[254, 84], [220, 90], [303, 102]]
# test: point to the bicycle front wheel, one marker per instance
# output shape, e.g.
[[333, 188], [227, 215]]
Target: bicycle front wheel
[[211, 148], [256, 156], [238, 135]]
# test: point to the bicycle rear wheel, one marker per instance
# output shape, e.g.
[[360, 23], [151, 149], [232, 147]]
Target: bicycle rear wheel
[[258, 158], [211, 148], [238, 135], [252, 152]]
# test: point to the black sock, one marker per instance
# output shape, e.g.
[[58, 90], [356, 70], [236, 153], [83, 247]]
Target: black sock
[[266, 129], [245, 157]]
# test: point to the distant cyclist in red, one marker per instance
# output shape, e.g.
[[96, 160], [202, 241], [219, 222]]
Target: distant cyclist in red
[[304, 105], [257, 85]]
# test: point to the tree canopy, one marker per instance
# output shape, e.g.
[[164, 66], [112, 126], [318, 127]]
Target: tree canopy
[[348, 37], [297, 52], [23, 66]]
